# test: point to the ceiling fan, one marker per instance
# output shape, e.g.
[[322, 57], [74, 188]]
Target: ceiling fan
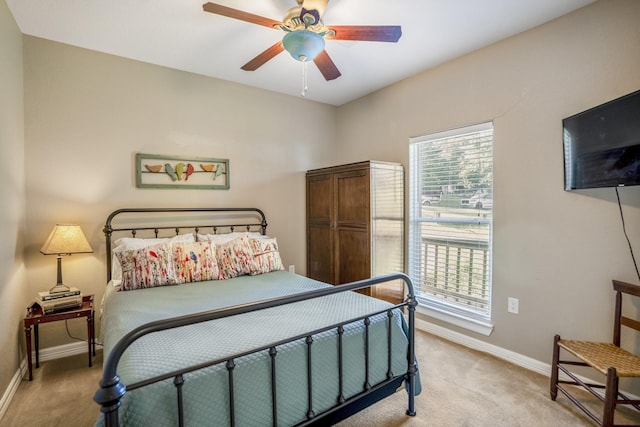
[[306, 33]]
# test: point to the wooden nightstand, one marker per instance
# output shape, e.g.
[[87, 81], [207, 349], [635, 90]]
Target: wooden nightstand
[[35, 317]]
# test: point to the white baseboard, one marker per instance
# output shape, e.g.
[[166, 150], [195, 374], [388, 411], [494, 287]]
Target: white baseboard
[[45, 354], [499, 352], [61, 351], [13, 387]]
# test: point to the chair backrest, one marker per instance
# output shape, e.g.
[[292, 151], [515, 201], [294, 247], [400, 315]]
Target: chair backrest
[[623, 288]]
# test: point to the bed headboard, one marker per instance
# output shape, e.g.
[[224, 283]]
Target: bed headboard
[[162, 222]]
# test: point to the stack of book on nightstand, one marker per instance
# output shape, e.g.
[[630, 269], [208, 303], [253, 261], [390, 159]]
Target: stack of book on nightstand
[[52, 302]]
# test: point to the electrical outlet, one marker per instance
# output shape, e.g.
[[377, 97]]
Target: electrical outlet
[[512, 306], [292, 269]]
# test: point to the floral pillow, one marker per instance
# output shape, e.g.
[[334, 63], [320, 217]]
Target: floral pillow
[[265, 256], [129, 243], [235, 258], [146, 267], [194, 262]]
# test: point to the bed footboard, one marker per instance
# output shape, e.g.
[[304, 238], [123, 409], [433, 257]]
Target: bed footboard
[[112, 389]]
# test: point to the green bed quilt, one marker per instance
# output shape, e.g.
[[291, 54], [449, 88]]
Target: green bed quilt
[[206, 396]]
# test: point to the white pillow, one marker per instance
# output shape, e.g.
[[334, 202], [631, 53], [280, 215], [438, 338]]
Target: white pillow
[[132, 243], [220, 239], [137, 243]]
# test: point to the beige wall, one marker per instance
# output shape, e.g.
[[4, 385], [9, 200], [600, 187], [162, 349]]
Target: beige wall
[[556, 251], [13, 292], [87, 114]]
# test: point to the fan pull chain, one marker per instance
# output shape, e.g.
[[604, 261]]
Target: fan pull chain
[[305, 88]]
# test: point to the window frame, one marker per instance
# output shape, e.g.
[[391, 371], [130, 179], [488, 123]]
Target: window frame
[[431, 305]]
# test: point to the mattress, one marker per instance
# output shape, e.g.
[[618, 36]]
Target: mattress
[[205, 391]]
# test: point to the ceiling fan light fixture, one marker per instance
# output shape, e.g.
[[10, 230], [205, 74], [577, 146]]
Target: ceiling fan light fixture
[[303, 45]]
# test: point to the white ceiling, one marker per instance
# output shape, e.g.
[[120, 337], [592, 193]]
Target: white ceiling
[[179, 34]]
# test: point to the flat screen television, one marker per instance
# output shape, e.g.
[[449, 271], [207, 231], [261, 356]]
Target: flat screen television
[[602, 145]]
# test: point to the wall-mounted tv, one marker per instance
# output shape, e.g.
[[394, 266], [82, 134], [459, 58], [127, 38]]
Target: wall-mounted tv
[[602, 145]]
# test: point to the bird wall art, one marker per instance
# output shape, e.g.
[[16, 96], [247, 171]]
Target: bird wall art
[[156, 171]]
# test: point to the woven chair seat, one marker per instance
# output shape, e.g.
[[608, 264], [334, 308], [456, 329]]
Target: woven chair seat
[[602, 356]]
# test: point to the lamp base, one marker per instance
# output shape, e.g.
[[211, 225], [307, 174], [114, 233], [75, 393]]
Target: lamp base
[[59, 288]]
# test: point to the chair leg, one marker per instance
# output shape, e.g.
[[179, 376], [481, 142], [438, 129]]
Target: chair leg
[[554, 368], [610, 397]]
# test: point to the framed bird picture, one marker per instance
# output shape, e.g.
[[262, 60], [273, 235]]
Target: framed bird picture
[[155, 171]]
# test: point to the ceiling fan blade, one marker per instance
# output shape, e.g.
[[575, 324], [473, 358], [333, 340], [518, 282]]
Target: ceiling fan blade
[[260, 60], [319, 5], [326, 66], [239, 14], [371, 33]]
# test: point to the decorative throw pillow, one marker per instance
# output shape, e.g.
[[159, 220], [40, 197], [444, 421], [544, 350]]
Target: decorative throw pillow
[[265, 256], [129, 243], [147, 267], [194, 261], [235, 258]]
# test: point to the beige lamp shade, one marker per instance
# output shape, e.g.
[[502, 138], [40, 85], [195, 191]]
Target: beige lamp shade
[[66, 239]]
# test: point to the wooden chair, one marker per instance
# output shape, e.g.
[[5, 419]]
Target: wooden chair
[[607, 358]]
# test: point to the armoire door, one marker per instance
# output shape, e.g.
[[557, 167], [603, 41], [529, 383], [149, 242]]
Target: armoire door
[[320, 242], [352, 222]]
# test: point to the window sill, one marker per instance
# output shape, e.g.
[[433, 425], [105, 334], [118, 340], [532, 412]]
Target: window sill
[[474, 325]]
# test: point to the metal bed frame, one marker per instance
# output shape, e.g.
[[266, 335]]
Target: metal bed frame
[[112, 389]]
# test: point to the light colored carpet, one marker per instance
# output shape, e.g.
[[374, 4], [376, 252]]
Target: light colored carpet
[[461, 387]]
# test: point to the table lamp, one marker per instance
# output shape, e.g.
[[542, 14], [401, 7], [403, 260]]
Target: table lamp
[[65, 239]]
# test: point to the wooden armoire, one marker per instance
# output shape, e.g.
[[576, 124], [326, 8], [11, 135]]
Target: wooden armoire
[[355, 224]]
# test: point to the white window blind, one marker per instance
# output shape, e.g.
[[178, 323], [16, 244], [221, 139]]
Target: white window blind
[[450, 220]]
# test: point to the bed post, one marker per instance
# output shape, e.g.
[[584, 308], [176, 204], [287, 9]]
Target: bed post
[[109, 397], [108, 230], [413, 365]]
